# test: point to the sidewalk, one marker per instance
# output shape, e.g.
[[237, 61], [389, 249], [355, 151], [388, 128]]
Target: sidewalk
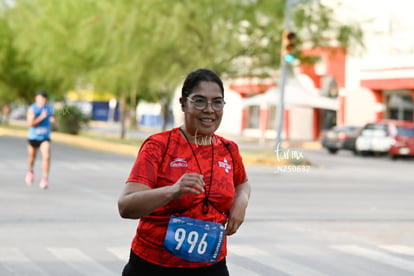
[[253, 151]]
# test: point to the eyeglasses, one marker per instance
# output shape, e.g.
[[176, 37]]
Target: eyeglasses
[[200, 103]]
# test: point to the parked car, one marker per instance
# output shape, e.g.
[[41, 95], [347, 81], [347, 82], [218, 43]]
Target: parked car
[[377, 137], [340, 138], [18, 113], [403, 142]]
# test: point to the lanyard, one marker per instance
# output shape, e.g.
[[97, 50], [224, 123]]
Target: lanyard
[[208, 188]]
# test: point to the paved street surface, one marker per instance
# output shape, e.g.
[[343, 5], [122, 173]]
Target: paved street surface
[[345, 215]]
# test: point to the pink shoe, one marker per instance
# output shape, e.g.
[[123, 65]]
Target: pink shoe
[[44, 183], [29, 178]]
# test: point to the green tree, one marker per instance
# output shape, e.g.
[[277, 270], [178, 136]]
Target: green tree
[[16, 78], [142, 49]]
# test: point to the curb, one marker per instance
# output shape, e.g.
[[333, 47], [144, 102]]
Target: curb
[[129, 150], [79, 141]]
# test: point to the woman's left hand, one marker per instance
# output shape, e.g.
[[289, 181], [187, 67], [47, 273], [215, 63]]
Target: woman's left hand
[[237, 210]]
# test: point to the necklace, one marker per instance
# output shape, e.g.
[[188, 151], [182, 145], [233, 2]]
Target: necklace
[[208, 188]]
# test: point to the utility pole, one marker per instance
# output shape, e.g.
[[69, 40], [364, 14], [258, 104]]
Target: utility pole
[[282, 83]]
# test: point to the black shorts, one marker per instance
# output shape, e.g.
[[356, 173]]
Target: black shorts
[[137, 266], [36, 143]]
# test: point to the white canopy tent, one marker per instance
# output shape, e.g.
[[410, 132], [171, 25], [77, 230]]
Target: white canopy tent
[[299, 91]]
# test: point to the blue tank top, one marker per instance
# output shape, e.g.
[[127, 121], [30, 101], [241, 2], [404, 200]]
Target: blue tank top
[[42, 130]]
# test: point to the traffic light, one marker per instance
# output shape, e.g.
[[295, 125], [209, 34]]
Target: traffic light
[[288, 46]]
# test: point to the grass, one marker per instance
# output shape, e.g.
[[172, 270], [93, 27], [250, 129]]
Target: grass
[[14, 127], [111, 139]]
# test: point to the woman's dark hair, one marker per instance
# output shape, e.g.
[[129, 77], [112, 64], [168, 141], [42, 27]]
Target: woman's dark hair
[[194, 78], [42, 93]]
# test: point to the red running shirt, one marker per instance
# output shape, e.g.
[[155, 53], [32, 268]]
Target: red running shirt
[[150, 168]]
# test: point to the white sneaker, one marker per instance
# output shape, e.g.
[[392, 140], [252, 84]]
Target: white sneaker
[[44, 183]]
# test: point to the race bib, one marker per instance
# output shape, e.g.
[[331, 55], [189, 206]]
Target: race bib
[[194, 240], [41, 130]]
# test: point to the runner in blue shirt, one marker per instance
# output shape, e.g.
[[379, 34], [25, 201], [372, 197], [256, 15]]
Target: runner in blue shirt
[[39, 119]]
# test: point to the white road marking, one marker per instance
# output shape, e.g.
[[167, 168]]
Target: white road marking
[[13, 260], [81, 262], [399, 249], [121, 252], [286, 266], [377, 256], [236, 269]]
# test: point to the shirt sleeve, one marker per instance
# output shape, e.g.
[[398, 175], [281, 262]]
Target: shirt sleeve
[[239, 173], [145, 168]]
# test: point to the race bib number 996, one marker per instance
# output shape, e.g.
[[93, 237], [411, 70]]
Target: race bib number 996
[[194, 240]]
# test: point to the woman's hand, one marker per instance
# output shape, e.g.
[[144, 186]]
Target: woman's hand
[[189, 183], [237, 210], [138, 200]]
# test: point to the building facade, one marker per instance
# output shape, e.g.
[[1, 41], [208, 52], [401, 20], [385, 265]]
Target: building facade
[[345, 88]]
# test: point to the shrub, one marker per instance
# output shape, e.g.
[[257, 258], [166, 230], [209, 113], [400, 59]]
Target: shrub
[[70, 119]]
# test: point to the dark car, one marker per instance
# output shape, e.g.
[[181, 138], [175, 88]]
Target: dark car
[[402, 143], [340, 138]]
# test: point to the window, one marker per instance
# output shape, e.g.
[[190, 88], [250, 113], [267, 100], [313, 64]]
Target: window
[[405, 131], [253, 120], [271, 122]]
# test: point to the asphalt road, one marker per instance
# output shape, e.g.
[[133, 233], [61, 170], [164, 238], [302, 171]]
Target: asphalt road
[[344, 215]]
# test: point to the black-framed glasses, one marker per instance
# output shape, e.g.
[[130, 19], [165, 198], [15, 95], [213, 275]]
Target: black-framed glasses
[[200, 103]]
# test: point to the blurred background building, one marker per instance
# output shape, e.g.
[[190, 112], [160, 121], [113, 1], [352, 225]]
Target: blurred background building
[[343, 88]]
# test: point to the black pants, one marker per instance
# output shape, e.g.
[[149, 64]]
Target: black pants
[[139, 267]]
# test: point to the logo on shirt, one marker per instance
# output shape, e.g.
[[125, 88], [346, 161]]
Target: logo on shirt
[[224, 164], [178, 162]]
